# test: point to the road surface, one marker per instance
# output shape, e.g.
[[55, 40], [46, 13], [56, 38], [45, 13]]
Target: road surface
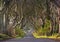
[[30, 40]]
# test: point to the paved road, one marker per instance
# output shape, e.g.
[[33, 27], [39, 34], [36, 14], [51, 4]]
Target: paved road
[[30, 40]]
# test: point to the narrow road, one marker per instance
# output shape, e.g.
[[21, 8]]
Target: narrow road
[[30, 40]]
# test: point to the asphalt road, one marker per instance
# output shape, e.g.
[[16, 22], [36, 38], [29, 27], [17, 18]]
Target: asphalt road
[[30, 40]]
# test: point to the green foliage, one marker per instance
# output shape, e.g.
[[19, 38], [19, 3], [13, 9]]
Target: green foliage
[[19, 32], [44, 30], [4, 36], [47, 24]]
